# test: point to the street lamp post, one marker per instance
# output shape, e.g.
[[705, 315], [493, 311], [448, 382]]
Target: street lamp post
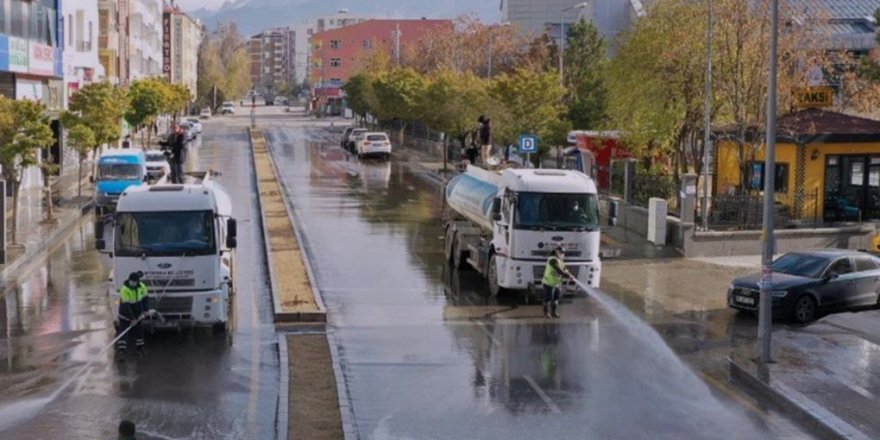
[[708, 129], [562, 34], [489, 73], [765, 312]]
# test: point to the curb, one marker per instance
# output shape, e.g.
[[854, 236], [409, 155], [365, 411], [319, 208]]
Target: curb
[[793, 402], [282, 413], [349, 423], [44, 246], [278, 316]]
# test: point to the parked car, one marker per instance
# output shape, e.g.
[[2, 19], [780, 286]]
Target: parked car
[[157, 164], [228, 108], [345, 135], [197, 125], [373, 144], [205, 114], [349, 142], [807, 283]]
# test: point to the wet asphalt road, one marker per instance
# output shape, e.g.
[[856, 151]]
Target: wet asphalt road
[[192, 385], [426, 353]]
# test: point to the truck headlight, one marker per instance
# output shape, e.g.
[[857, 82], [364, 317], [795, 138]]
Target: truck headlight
[[780, 293]]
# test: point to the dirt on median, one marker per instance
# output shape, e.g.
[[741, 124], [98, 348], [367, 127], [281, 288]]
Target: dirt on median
[[293, 289], [313, 400]]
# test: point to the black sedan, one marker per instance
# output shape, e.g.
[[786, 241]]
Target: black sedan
[[806, 283]]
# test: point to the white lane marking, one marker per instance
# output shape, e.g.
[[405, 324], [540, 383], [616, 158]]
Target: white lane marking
[[542, 394], [485, 330]]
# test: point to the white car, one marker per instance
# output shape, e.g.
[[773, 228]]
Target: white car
[[205, 114], [196, 124], [373, 144], [157, 164], [228, 108]]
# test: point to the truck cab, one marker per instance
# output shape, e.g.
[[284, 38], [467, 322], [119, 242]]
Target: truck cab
[[182, 237], [118, 169]]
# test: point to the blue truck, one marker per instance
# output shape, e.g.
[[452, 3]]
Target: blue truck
[[117, 170]]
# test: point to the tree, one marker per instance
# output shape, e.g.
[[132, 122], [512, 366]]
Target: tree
[[223, 63], [399, 93], [359, 93], [529, 102], [24, 130], [146, 99], [100, 107], [81, 139], [452, 102], [584, 76]]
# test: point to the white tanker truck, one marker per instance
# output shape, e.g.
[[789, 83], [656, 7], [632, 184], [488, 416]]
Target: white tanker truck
[[505, 225]]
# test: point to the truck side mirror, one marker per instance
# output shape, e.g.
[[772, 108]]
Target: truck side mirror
[[231, 233], [496, 209]]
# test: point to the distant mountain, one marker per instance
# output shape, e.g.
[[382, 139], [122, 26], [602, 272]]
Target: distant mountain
[[253, 16]]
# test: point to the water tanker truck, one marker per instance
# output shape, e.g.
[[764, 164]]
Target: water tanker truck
[[505, 225]]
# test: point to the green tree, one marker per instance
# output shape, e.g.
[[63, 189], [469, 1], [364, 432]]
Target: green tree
[[146, 98], [81, 139], [452, 103], [399, 95], [529, 102], [100, 107], [584, 76], [360, 93], [223, 63], [24, 130]]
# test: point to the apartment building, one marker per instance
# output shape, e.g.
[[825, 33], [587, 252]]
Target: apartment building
[[181, 37]]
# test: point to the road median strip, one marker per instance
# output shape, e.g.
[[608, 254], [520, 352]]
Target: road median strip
[[293, 295]]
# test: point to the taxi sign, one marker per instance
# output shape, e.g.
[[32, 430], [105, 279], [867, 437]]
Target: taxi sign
[[809, 97]]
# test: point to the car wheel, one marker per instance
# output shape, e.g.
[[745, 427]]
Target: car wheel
[[804, 310], [495, 289]]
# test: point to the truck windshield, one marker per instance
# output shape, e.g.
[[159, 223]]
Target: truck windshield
[[119, 172], [563, 212], [165, 233]]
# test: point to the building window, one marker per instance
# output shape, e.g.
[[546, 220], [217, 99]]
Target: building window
[[70, 30], [335, 62], [756, 177], [335, 44], [336, 80], [368, 44]]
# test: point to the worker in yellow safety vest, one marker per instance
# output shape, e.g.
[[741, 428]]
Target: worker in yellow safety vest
[[133, 308], [554, 272]]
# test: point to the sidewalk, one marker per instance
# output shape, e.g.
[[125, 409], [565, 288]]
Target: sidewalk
[[33, 235], [826, 372]]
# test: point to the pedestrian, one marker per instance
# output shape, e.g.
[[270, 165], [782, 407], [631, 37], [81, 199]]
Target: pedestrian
[[133, 308], [553, 275], [127, 430], [472, 151], [485, 138]]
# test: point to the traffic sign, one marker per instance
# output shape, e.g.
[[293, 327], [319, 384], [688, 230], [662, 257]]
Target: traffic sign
[[528, 143]]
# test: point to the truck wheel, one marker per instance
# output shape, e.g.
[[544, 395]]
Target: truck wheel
[[219, 328], [492, 275], [457, 257], [450, 236]]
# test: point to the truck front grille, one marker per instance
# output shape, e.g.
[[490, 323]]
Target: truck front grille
[[539, 271], [180, 282], [172, 304], [546, 253]]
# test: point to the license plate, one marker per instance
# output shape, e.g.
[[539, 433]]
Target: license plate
[[378, 145], [744, 300]]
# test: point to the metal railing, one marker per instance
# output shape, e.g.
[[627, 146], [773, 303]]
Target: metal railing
[[648, 186], [745, 212]]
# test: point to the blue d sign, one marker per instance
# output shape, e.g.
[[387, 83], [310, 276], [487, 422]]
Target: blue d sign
[[528, 144]]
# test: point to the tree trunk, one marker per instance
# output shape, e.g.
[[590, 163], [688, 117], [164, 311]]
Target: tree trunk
[[15, 185], [402, 132], [79, 183]]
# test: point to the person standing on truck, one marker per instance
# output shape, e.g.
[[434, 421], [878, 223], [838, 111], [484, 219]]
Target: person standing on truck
[[133, 308], [554, 272], [175, 146]]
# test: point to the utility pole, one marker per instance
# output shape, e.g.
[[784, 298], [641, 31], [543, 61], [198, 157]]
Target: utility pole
[[708, 126], [397, 44], [214, 100], [765, 318]]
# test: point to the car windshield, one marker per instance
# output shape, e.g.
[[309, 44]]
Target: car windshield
[[165, 233], [562, 212], [802, 265], [117, 171], [155, 157]]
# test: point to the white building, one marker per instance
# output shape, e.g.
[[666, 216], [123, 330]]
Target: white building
[[81, 63], [181, 37], [302, 35], [145, 39]]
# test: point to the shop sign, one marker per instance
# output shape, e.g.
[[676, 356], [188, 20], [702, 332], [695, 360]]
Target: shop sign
[[808, 97], [42, 61], [166, 45], [18, 55]]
